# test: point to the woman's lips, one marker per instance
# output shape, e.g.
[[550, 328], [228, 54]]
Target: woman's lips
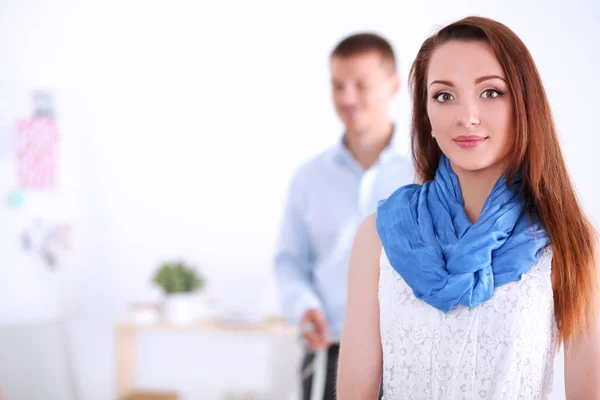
[[469, 142]]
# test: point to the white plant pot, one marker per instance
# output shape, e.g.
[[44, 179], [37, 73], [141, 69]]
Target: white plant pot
[[181, 308]]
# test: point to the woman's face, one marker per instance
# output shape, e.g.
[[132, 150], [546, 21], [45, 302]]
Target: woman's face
[[469, 106]]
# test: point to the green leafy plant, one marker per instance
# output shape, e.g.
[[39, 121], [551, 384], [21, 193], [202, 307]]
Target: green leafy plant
[[178, 277]]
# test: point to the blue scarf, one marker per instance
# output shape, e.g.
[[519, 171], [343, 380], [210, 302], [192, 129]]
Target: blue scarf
[[446, 259]]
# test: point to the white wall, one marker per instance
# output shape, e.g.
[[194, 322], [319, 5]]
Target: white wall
[[194, 115]]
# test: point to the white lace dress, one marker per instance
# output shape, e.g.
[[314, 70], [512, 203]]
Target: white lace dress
[[502, 349]]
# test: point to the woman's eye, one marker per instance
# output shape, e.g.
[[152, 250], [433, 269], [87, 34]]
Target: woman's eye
[[490, 94], [443, 97]]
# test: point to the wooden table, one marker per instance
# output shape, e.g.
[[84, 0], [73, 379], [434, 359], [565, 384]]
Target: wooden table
[[126, 335]]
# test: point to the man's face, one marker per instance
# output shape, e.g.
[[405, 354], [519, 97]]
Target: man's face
[[362, 87]]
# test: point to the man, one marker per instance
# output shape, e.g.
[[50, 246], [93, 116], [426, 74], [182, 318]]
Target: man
[[331, 194]]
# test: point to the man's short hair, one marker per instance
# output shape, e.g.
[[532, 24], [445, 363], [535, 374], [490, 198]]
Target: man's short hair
[[362, 43]]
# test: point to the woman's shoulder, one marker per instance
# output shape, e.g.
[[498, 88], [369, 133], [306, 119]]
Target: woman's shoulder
[[367, 231], [367, 245]]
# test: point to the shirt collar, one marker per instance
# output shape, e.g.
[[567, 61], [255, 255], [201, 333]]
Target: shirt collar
[[392, 151]]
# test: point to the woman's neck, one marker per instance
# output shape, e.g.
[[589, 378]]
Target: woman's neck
[[476, 186]]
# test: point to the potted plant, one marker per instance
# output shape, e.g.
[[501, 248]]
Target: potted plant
[[180, 282]]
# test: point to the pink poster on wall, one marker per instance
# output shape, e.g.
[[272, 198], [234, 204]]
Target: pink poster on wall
[[37, 153]]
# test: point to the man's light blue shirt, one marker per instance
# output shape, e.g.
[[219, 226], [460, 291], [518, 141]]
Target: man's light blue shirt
[[328, 198]]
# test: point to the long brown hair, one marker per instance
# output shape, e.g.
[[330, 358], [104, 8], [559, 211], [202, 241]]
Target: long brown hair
[[547, 187]]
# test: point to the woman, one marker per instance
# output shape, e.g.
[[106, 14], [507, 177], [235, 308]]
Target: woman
[[464, 287]]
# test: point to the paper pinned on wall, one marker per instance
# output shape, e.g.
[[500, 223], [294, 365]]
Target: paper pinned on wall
[[37, 153], [40, 197], [48, 240]]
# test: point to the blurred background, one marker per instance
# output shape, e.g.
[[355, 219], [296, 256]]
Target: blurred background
[[170, 133]]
